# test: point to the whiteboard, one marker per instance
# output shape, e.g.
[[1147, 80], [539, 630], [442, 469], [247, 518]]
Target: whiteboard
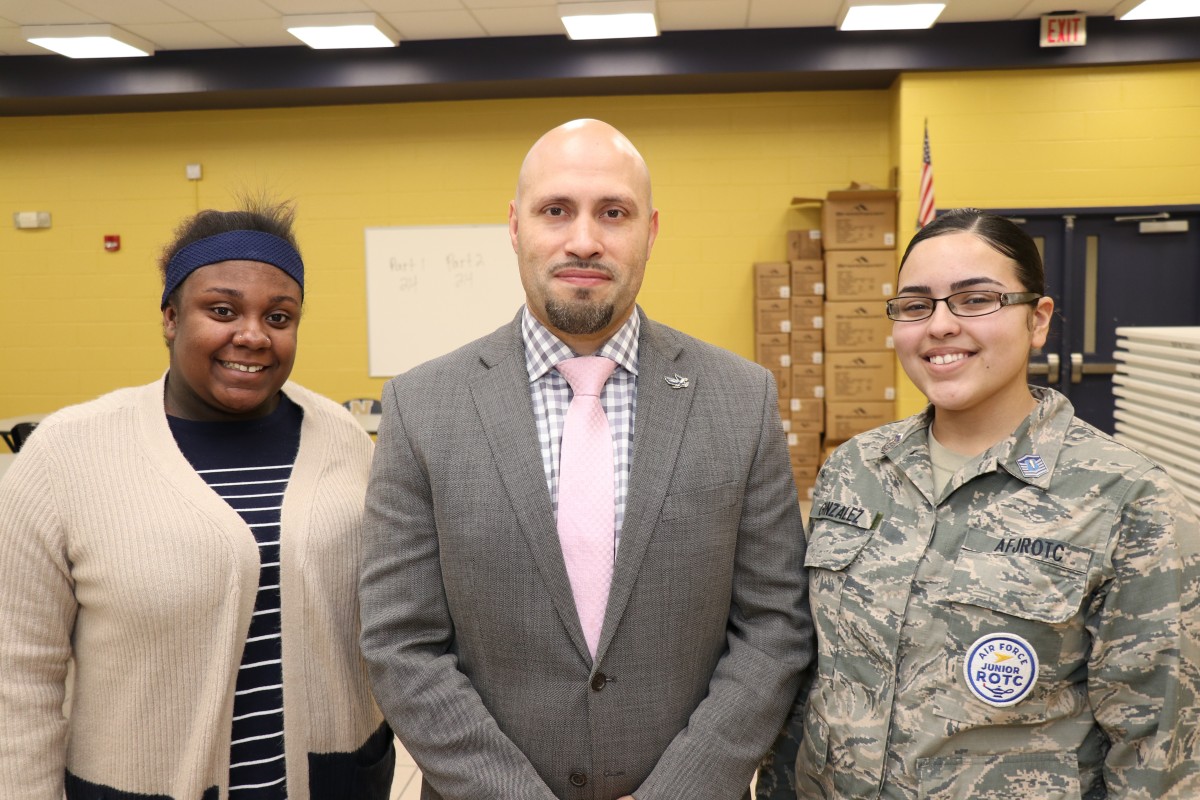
[[433, 288]]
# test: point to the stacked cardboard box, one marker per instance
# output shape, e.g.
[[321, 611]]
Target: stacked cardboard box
[[821, 325], [858, 229], [804, 418], [796, 353], [773, 320]]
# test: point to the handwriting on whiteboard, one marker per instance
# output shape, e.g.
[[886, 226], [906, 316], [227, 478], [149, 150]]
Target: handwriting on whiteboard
[[460, 266], [433, 288]]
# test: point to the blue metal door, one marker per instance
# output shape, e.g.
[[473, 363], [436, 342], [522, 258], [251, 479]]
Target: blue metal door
[[1107, 268]]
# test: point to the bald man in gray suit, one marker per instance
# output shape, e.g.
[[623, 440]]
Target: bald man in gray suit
[[470, 624]]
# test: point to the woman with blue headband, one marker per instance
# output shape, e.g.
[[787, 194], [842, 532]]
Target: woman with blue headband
[[191, 547]]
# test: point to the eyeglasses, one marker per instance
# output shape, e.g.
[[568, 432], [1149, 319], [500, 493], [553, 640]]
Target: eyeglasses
[[961, 304]]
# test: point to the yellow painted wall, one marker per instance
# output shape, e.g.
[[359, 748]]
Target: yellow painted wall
[[1120, 136], [78, 321]]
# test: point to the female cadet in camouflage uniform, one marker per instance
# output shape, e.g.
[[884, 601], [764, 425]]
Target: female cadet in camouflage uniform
[[1005, 598]]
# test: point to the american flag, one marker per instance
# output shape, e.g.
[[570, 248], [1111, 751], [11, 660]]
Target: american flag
[[925, 203]]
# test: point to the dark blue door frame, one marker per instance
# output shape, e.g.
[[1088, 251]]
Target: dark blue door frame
[[1109, 267]]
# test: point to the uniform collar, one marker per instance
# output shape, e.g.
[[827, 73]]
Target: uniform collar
[[1030, 454]]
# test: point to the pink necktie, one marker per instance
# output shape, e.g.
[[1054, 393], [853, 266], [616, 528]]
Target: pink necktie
[[586, 492]]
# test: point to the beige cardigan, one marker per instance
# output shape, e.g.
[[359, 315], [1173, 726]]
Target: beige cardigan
[[114, 551]]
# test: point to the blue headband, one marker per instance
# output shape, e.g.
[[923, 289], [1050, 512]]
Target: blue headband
[[233, 246]]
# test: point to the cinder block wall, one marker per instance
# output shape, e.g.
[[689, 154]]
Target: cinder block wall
[[78, 321]]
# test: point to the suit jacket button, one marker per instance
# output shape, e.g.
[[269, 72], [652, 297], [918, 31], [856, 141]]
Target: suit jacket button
[[578, 779], [598, 681]]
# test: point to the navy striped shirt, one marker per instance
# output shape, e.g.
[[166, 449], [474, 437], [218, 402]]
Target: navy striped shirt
[[248, 463]]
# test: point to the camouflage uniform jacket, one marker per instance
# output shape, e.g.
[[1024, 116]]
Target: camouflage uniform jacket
[[1031, 631]]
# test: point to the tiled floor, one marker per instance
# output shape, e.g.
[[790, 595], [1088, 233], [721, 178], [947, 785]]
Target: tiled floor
[[407, 784]]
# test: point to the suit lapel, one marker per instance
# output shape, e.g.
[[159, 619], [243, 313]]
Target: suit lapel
[[662, 414], [501, 396]]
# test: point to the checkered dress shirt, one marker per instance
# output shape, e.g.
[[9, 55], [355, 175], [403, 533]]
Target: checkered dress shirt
[[551, 394]]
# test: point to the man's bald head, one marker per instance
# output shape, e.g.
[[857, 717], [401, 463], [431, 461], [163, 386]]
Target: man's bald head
[[580, 141], [582, 225]]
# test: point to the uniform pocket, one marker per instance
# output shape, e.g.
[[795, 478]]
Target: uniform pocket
[[1045, 776], [1034, 578], [1025, 593], [832, 547], [814, 750]]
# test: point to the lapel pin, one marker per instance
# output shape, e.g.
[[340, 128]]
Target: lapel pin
[[676, 381]]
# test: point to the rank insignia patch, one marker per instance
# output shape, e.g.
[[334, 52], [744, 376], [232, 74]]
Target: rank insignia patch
[[1032, 466]]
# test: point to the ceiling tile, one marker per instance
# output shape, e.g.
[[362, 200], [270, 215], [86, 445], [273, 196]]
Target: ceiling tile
[[402, 6], [43, 12], [420, 25], [520, 21], [256, 22], [513, 4], [961, 11], [182, 36], [211, 10], [318, 6], [1004, 10], [255, 32], [125, 12], [13, 44], [702, 15], [793, 14], [1035, 8]]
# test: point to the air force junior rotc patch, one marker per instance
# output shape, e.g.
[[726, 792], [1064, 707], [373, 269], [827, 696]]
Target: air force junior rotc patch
[[1001, 669], [1032, 466]]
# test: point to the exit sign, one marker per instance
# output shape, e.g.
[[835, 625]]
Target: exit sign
[[1064, 30]]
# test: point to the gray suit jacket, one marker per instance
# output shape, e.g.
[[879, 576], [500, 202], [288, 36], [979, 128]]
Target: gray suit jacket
[[469, 628]]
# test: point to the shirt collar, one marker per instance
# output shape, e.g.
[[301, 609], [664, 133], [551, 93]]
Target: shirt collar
[[1030, 454], [543, 350], [1033, 451]]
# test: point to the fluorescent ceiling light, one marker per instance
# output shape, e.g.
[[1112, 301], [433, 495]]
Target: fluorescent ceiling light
[[87, 41], [616, 19], [910, 16], [337, 31], [1157, 9]]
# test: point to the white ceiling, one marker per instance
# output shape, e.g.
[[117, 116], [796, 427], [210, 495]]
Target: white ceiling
[[207, 24]]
